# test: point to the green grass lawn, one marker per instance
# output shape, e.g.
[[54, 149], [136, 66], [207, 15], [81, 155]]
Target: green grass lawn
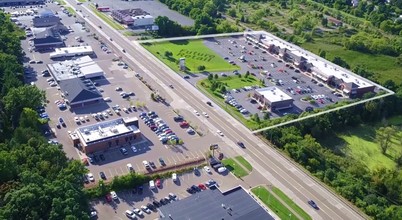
[[383, 65], [234, 167], [234, 82], [82, 1], [244, 162], [274, 204], [107, 19], [195, 52], [291, 204], [71, 10], [359, 143]]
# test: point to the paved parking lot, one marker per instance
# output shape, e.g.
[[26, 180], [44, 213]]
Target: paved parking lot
[[149, 147], [128, 199], [291, 79]]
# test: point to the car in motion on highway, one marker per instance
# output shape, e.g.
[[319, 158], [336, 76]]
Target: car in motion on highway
[[241, 144], [313, 204], [219, 132]]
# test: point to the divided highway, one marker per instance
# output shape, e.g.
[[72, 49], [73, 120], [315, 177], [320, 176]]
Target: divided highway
[[272, 165]]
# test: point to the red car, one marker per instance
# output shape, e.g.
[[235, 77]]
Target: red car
[[202, 186], [158, 183], [109, 197], [184, 124]]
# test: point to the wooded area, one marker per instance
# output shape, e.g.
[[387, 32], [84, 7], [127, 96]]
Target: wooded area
[[37, 180]]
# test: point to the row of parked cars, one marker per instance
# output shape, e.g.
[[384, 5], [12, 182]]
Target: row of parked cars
[[132, 214], [210, 184], [232, 101], [156, 124]]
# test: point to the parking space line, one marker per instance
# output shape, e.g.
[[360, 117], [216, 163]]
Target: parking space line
[[170, 160], [177, 157], [110, 171], [117, 172]]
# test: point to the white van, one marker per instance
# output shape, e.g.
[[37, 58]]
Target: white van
[[174, 177], [151, 184]]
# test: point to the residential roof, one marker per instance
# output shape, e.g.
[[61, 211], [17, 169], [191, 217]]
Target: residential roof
[[213, 204], [77, 91], [273, 94]]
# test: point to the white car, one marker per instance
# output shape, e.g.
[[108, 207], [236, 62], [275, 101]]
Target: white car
[[130, 167], [219, 132], [76, 119], [107, 99], [146, 164], [82, 119], [114, 195], [130, 214], [221, 169], [138, 212], [118, 89], [196, 113], [134, 148], [145, 209], [105, 114], [86, 117], [109, 112], [205, 114], [125, 110], [174, 177], [91, 177], [206, 168]]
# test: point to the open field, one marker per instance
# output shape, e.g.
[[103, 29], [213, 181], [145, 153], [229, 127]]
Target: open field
[[273, 203], [291, 204], [234, 167], [359, 143], [244, 162], [195, 52], [383, 65], [107, 19]]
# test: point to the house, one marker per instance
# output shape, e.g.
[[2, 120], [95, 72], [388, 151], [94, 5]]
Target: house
[[47, 38]]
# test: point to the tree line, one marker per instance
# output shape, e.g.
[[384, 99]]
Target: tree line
[[37, 180]]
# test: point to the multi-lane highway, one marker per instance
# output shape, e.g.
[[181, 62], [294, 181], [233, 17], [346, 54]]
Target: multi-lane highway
[[273, 166]]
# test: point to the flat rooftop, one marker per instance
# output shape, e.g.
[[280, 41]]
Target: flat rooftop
[[105, 130], [321, 65], [79, 67], [70, 51], [213, 204], [273, 94]]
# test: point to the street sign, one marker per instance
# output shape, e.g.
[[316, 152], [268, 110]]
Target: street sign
[[213, 147]]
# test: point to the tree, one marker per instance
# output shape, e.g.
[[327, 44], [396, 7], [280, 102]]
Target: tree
[[256, 118], [202, 68], [168, 53], [216, 76], [323, 54], [210, 77], [247, 74], [383, 136], [239, 75], [324, 22], [223, 89], [266, 116]]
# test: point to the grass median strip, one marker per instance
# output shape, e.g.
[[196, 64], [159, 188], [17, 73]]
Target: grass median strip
[[234, 167], [273, 203], [107, 19], [61, 2], [71, 10], [245, 163], [291, 204]]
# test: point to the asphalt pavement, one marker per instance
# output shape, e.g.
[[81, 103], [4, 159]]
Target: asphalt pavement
[[273, 166]]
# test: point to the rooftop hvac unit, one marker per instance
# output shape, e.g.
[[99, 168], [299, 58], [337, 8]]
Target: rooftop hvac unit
[[114, 130], [86, 131]]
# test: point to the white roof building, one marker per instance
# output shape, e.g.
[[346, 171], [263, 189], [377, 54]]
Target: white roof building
[[80, 67], [71, 52]]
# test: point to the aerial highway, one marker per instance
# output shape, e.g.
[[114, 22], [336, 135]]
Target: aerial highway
[[277, 169]]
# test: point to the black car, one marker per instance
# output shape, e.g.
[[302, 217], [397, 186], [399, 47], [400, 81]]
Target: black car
[[102, 157], [312, 204], [190, 190], [195, 188], [178, 118], [163, 202], [162, 162], [209, 103], [156, 203], [152, 164], [196, 171], [150, 206], [241, 144], [102, 175]]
